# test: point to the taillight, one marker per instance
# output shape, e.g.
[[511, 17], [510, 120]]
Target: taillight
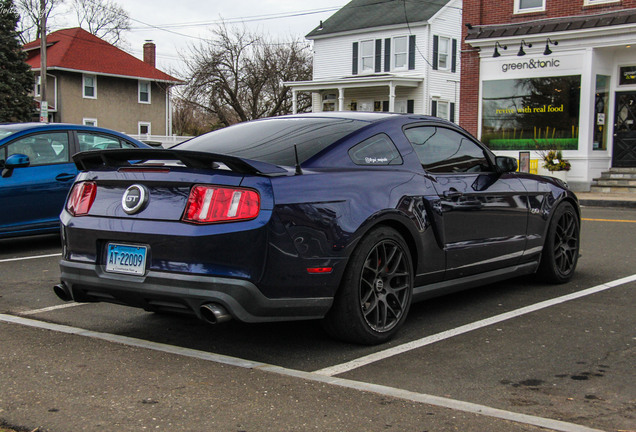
[[81, 198], [211, 204]]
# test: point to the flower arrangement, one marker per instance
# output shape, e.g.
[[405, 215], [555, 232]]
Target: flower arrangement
[[553, 161]]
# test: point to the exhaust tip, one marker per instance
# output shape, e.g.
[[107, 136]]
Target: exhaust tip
[[214, 313], [62, 291]]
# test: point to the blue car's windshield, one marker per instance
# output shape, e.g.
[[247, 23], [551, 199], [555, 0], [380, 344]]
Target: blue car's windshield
[[273, 140], [6, 132]]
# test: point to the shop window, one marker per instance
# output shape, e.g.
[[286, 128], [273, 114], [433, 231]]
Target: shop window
[[531, 113], [601, 112], [526, 6], [89, 86]]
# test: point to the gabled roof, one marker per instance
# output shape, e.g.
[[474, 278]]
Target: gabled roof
[[363, 14], [78, 50]]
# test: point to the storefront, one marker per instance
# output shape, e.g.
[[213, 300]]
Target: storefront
[[577, 95]]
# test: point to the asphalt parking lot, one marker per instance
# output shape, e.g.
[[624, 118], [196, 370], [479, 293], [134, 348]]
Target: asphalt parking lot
[[513, 356]]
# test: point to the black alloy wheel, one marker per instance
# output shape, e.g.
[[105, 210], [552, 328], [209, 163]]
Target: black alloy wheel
[[561, 248], [376, 290]]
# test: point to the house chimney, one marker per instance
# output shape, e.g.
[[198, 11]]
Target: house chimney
[[149, 52]]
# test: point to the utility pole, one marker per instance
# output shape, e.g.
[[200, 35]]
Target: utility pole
[[44, 104]]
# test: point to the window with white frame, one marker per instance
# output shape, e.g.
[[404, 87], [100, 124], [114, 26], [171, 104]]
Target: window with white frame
[[89, 86], [367, 56], [524, 6], [89, 121], [595, 2], [144, 92], [400, 52], [442, 110], [443, 53], [144, 128], [38, 85]]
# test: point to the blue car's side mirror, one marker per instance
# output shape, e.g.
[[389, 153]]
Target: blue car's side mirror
[[17, 160]]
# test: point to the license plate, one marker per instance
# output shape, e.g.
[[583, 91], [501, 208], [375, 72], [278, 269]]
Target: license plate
[[126, 259]]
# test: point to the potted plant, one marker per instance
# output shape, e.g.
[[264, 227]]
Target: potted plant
[[557, 166]]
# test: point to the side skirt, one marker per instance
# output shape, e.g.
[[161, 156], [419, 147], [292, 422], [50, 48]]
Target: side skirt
[[450, 286]]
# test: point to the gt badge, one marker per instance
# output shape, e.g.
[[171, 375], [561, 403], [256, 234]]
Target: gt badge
[[134, 199]]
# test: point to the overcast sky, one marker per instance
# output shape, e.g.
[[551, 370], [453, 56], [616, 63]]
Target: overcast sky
[[176, 25]]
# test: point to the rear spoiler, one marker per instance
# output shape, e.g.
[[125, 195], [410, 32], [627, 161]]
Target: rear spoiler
[[97, 159]]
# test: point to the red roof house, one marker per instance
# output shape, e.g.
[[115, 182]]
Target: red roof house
[[90, 81]]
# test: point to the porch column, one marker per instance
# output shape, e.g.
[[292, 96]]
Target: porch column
[[294, 101], [391, 97], [340, 99]]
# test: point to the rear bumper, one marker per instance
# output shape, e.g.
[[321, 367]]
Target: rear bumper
[[175, 292]]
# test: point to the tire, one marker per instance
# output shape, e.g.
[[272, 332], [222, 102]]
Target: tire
[[561, 248], [375, 293]]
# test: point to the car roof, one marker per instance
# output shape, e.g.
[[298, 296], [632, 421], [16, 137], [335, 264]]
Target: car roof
[[35, 127]]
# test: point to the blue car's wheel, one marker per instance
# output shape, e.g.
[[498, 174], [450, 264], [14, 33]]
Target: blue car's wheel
[[561, 248], [375, 294]]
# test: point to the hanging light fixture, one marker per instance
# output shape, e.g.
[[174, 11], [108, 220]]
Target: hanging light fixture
[[548, 51], [496, 53], [521, 51]]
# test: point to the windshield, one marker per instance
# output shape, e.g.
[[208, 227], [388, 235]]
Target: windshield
[[6, 132], [273, 140]]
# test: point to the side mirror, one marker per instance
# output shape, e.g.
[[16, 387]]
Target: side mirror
[[506, 164], [17, 160]]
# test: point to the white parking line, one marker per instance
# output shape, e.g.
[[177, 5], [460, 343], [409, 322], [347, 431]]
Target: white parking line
[[29, 257], [381, 355], [51, 308], [433, 400], [325, 375]]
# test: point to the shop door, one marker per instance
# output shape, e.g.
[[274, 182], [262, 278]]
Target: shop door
[[624, 153]]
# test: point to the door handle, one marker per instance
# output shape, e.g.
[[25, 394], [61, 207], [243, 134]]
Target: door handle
[[64, 177], [452, 193]]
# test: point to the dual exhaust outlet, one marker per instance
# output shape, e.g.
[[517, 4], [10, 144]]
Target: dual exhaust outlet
[[212, 313]]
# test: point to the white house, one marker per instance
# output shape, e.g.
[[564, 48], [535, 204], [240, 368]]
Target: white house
[[396, 56]]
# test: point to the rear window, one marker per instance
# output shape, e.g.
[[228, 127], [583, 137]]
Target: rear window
[[273, 140]]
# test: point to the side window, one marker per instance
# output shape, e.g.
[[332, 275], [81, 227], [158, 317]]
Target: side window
[[442, 150], [42, 149], [377, 150], [93, 141]]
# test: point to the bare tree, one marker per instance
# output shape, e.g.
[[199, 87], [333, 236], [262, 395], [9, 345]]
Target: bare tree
[[103, 18], [239, 76], [29, 26]]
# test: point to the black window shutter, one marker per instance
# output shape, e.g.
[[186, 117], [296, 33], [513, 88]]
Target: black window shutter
[[378, 55], [435, 51], [411, 52], [385, 106], [452, 112], [454, 58], [387, 55], [354, 63], [434, 108], [410, 106]]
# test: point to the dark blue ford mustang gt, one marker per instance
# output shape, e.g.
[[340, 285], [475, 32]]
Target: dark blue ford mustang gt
[[347, 217]]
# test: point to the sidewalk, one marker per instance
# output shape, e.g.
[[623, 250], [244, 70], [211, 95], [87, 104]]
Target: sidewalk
[[607, 199]]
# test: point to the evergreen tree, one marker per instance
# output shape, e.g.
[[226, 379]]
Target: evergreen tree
[[16, 79]]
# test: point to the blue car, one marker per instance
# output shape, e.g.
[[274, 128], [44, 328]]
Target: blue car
[[346, 217], [38, 172]]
